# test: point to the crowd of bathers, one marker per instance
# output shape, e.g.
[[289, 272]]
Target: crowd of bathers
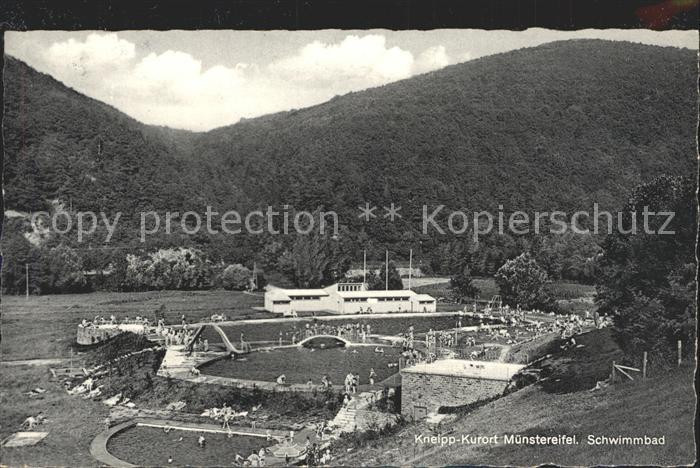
[[112, 320], [351, 331]]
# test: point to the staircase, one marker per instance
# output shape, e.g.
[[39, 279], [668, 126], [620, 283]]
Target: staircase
[[347, 419], [176, 362]]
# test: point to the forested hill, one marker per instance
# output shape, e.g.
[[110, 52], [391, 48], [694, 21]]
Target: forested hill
[[561, 125], [61, 145]]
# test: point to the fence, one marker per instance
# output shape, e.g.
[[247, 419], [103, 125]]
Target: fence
[[643, 371]]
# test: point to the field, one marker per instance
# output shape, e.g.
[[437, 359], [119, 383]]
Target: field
[[301, 364], [45, 326], [150, 446], [71, 422], [560, 290]]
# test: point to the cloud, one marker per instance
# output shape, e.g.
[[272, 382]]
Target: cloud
[[354, 60], [179, 77], [174, 88], [431, 59], [97, 51]]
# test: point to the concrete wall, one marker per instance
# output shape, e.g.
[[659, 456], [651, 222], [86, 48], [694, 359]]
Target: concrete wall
[[432, 391], [92, 335]]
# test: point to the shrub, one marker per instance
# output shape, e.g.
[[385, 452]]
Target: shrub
[[235, 278], [522, 281]]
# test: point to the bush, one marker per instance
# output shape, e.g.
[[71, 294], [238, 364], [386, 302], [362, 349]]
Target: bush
[[462, 287], [522, 281], [235, 278], [177, 268]]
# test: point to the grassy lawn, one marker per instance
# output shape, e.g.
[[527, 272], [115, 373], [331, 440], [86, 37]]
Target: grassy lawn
[[45, 326], [72, 422], [663, 406], [560, 290]]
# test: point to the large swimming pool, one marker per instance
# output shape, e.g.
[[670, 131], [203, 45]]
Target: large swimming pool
[[300, 364], [270, 332]]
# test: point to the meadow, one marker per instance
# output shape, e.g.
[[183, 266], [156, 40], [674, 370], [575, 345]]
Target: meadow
[[559, 290], [70, 421], [45, 326]]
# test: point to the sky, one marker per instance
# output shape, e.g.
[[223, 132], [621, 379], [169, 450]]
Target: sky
[[199, 80]]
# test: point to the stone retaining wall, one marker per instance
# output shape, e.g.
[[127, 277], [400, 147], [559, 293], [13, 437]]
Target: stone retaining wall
[[94, 335], [426, 393]]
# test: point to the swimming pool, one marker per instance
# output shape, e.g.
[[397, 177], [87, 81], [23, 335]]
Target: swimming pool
[[151, 446], [300, 364], [261, 334]]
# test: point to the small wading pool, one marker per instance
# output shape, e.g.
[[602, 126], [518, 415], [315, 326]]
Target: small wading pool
[[301, 364], [151, 446]]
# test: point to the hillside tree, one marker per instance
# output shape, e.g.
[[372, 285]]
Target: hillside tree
[[647, 279], [462, 287], [522, 281]]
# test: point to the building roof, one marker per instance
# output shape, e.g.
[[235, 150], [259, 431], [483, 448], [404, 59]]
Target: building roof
[[305, 292], [424, 297], [464, 368], [379, 293], [278, 292]]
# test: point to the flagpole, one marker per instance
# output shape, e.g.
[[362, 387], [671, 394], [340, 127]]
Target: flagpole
[[410, 267], [386, 275], [364, 268]]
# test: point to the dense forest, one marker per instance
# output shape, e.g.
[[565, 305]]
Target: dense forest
[[559, 126]]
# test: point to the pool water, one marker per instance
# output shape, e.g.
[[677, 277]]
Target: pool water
[[150, 446], [301, 364], [270, 332]]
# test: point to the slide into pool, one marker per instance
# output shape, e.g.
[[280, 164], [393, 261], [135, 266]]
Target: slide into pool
[[243, 349]]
